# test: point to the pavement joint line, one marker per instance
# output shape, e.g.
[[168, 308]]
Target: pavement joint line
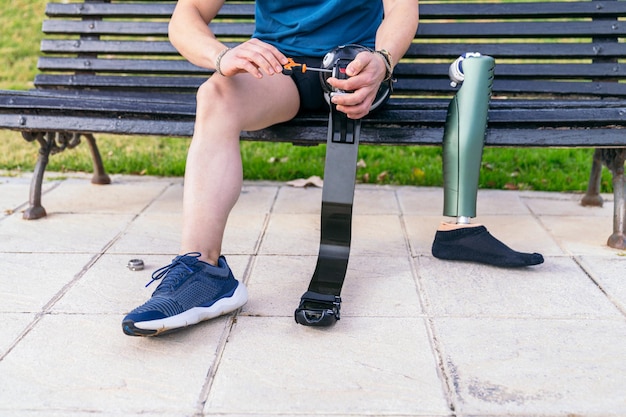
[[586, 271], [205, 391], [45, 310]]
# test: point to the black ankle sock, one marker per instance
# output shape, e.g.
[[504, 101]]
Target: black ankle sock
[[475, 244]]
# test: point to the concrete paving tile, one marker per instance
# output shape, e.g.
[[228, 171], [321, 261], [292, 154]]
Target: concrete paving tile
[[375, 200], [170, 201], [14, 192], [421, 230], [425, 201], [579, 235], [161, 233], [292, 200], [255, 199], [367, 200], [276, 284], [521, 233], [291, 234], [329, 414], [429, 202], [509, 367], [156, 233], [556, 289], [61, 233], [109, 287], [610, 274], [243, 233], [374, 287], [252, 414], [87, 413], [11, 326], [566, 204], [121, 196], [367, 366], [88, 365], [378, 235], [29, 282]]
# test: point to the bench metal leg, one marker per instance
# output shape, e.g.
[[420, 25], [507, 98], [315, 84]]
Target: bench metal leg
[[614, 159], [35, 210], [99, 174], [592, 197], [49, 144]]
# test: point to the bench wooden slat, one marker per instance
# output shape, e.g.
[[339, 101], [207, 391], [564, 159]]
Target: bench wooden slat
[[521, 29], [470, 9], [81, 46], [402, 111], [539, 50], [417, 50], [403, 86], [527, 71], [122, 10], [83, 81], [141, 66], [371, 133], [425, 30], [128, 28], [128, 10], [520, 87], [523, 70], [520, 10]]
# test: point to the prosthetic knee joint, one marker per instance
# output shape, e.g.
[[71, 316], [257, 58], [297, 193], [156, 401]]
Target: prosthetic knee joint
[[464, 134]]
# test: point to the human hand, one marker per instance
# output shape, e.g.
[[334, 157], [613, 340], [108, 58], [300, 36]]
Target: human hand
[[254, 57], [365, 73]]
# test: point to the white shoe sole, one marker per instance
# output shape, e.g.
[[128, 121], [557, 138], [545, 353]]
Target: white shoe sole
[[197, 314]]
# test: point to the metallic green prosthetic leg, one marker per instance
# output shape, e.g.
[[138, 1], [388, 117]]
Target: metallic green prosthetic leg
[[464, 137], [463, 142]]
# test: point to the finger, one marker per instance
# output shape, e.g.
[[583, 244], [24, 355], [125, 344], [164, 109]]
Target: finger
[[358, 63], [269, 57], [255, 57]]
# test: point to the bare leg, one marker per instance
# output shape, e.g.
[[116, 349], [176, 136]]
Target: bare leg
[[213, 175]]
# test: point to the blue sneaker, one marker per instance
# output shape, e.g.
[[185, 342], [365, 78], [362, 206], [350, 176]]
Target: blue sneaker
[[191, 291]]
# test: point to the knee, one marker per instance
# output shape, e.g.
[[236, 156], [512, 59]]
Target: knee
[[209, 97]]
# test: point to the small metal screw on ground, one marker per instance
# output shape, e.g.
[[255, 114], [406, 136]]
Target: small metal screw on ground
[[135, 265]]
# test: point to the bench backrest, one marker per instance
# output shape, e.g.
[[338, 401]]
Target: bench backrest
[[573, 48]]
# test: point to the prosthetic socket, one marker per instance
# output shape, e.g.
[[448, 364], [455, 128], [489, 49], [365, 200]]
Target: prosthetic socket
[[464, 133]]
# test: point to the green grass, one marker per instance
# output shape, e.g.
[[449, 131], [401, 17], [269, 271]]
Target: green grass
[[20, 35]]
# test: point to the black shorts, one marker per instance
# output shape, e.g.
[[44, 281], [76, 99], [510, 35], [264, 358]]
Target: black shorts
[[309, 85]]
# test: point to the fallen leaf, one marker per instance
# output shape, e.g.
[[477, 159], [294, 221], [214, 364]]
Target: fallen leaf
[[313, 181]]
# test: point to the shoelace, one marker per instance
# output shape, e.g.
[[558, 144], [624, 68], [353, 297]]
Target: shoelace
[[164, 271]]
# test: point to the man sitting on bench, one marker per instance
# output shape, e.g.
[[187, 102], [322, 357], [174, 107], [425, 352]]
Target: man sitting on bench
[[248, 92]]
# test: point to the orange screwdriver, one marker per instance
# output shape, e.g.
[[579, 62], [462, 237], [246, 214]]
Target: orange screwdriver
[[291, 64]]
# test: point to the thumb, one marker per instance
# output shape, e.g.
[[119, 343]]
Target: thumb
[[356, 66]]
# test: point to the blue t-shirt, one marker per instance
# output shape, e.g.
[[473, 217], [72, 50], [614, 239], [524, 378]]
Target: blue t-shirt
[[314, 27]]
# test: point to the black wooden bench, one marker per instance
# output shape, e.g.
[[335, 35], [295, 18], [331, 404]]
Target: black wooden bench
[[107, 67]]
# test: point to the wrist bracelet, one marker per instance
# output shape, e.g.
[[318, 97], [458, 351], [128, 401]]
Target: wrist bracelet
[[388, 62], [219, 59]]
